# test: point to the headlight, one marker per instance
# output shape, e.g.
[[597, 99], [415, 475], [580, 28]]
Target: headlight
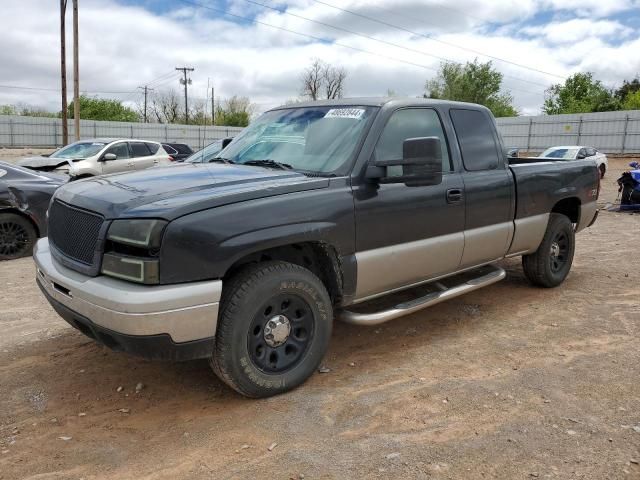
[[137, 233], [132, 249], [134, 269]]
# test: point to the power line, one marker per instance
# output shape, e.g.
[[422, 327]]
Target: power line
[[429, 37], [369, 37], [19, 87], [320, 39]]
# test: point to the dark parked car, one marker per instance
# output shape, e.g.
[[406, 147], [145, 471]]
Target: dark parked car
[[178, 151], [314, 210], [24, 199], [209, 152]]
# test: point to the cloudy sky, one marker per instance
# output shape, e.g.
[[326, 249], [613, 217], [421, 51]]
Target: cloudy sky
[[259, 48]]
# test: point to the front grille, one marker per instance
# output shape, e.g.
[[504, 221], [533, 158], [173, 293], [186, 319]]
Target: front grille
[[74, 232]]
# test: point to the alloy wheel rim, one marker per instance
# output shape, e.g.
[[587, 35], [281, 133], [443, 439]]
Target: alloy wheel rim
[[14, 239]]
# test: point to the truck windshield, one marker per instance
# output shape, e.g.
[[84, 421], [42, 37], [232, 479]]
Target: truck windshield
[[310, 139], [79, 150]]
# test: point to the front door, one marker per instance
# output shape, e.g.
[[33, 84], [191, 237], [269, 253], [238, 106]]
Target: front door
[[406, 235]]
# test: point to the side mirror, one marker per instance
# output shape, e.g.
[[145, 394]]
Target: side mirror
[[109, 156], [226, 142], [581, 156], [421, 164], [513, 153]]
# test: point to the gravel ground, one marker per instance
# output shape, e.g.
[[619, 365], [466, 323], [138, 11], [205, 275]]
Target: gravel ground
[[509, 382]]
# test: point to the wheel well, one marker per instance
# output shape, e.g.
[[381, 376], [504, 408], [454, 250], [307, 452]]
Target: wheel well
[[23, 215], [318, 257], [569, 207]]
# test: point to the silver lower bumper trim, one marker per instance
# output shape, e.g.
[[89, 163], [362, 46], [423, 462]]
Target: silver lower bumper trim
[[185, 312]]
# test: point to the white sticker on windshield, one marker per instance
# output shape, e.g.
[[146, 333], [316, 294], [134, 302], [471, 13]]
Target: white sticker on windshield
[[2, 173], [355, 113]]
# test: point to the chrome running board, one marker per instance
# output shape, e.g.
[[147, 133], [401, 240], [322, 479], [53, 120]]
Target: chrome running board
[[406, 308]]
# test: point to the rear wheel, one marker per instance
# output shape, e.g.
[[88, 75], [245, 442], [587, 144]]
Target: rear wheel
[[273, 329], [17, 236], [550, 264]]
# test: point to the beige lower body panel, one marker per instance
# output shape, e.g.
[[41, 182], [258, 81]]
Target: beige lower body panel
[[587, 212], [392, 267], [486, 243], [528, 234]]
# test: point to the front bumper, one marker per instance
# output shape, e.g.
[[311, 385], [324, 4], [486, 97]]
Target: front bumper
[[164, 321]]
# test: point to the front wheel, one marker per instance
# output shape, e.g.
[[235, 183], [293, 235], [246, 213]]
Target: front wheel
[[273, 329], [17, 236], [551, 263], [603, 170]]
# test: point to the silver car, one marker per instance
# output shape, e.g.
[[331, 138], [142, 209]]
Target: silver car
[[89, 158]]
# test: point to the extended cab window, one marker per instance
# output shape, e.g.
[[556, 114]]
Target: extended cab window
[[476, 139], [120, 149], [410, 123], [139, 149]]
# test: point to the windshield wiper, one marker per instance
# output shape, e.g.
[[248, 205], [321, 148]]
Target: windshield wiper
[[269, 164], [221, 160]]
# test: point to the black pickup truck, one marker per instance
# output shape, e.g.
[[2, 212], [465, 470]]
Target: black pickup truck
[[314, 211]]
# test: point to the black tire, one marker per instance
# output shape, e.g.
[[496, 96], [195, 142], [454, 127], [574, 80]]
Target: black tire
[[603, 170], [550, 264], [245, 356], [17, 236]]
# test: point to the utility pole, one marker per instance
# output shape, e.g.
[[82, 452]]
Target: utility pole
[[146, 92], [76, 73], [213, 106], [63, 72], [185, 81]]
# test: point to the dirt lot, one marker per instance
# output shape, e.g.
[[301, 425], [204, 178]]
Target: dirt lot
[[509, 382]]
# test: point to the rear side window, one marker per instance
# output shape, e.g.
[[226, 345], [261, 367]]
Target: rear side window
[[153, 147], [410, 123], [476, 140], [140, 149]]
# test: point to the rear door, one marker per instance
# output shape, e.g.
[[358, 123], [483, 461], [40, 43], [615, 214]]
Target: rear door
[[142, 155], [123, 161], [488, 188], [406, 235]]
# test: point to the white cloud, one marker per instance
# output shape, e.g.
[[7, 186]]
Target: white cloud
[[579, 29], [123, 47]]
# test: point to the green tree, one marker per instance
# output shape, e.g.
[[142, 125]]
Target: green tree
[[93, 108], [236, 112], [580, 93], [8, 110], [473, 82], [628, 87], [632, 101]]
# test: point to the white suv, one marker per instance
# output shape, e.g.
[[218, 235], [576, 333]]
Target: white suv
[[88, 158]]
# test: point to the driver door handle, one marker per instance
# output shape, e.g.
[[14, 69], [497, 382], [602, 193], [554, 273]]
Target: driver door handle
[[454, 195]]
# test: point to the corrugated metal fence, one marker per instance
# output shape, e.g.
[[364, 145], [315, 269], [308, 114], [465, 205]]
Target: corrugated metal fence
[[610, 132], [19, 131]]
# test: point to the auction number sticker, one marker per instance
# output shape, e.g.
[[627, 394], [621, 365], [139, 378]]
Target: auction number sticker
[[2, 173], [354, 113]]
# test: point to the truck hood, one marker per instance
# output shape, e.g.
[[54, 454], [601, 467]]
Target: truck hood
[[177, 190]]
